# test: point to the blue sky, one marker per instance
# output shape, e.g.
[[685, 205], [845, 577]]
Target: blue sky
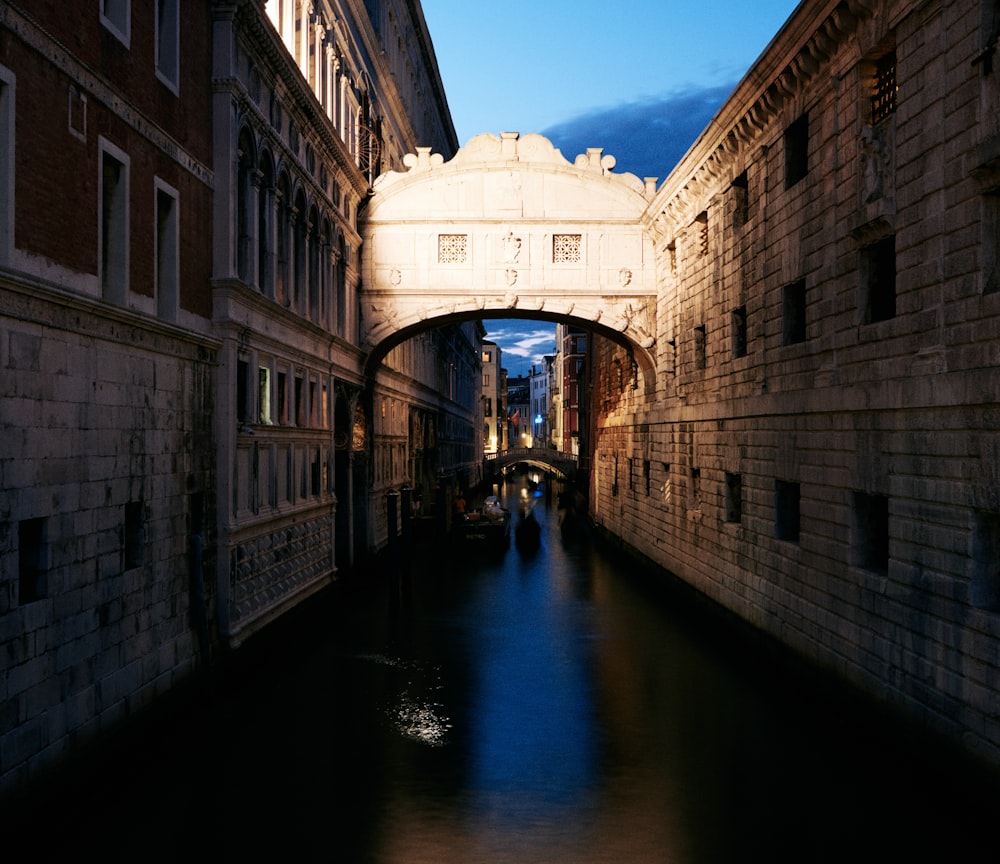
[[640, 80]]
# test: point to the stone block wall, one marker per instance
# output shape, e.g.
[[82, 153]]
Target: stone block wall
[[819, 452], [107, 463]]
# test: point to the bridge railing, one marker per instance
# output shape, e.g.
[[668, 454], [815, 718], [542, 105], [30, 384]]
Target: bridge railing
[[542, 454]]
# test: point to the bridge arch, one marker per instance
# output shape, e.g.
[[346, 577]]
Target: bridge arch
[[509, 228]]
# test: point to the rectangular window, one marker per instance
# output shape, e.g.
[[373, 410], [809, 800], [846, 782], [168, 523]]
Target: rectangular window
[[264, 395], [282, 397], [699, 347], [884, 88], [740, 190], [113, 223], [32, 560], [645, 474], [567, 248], [77, 113], [6, 163], [168, 43], [796, 141], [793, 313], [734, 497], [300, 407], [739, 322], [984, 592], [167, 251], [135, 537], [871, 532], [786, 511], [487, 407], [453, 248], [242, 391], [878, 275], [116, 16]]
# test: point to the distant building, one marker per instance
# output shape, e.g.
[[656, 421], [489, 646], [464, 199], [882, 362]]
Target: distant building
[[572, 344], [539, 379], [493, 418], [518, 411]]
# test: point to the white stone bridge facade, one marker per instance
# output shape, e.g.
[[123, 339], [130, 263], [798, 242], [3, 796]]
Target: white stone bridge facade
[[509, 228]]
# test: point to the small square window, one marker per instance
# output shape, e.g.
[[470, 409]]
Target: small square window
[[566, 248], [453, 248]]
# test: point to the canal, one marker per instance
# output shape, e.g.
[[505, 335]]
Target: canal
[[561, 705]]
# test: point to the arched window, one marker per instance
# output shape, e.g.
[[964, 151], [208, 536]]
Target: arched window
[[341, 286], [282, 286], [265, 227], [325, 275], [313, 273], [299, 228], [244, 174]]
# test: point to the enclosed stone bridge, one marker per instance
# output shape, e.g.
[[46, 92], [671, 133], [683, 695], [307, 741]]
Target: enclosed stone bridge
[[562, 464], [509, 228]]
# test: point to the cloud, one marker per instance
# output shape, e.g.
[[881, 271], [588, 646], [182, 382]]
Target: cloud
[[647, 137], [522, 343]]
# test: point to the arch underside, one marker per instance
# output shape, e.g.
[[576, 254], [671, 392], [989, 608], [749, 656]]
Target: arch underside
[[428, 319]]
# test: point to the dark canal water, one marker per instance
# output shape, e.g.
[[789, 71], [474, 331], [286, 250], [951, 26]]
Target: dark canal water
[[535, 709]]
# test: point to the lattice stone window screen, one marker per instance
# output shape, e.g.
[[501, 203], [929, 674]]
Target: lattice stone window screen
[[566, 248], [453, 248]]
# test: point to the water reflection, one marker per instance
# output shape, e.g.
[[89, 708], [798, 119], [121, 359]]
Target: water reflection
[[531, 708]]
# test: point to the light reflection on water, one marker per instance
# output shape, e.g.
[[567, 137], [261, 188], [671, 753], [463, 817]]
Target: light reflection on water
[[536, 709]]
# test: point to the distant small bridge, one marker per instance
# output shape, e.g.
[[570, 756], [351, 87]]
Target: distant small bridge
[[563, 464]]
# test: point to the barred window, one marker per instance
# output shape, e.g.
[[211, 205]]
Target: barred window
[[453, 248], [566, 248], [884, 88]]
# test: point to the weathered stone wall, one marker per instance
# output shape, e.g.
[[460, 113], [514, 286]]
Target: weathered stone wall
[[106, 456], [823, 465]]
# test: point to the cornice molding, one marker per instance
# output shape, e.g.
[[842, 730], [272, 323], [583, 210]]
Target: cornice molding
[[797, 54]]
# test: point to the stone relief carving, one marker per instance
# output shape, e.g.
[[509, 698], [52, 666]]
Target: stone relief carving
[[511, 248]]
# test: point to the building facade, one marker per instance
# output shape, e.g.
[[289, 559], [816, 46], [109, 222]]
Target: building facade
[[190, 443], [819, 451]]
